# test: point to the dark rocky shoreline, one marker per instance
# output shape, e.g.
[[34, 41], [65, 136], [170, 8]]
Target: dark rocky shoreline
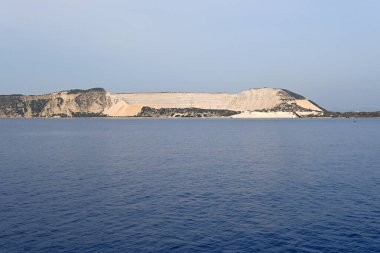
[[184, 113], [328, 114]]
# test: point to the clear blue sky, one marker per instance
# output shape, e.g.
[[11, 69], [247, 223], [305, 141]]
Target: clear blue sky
[[326, 50]]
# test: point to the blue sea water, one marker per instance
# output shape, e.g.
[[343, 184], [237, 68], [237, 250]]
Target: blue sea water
[[187, 185]]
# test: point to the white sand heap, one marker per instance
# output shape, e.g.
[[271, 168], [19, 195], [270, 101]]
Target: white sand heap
[[252, 103]]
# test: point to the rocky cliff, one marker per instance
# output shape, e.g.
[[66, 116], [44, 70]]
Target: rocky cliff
[[252, 103], [73, 103]]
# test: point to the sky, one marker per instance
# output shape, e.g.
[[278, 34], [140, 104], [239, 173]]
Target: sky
[[326, 50]]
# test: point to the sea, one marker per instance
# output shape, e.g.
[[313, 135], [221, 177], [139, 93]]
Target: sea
[[189, 185]]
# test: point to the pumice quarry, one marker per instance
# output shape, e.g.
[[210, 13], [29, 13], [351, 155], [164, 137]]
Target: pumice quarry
[[97, 102]]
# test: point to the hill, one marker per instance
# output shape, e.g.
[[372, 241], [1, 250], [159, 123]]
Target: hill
[[97, 102]]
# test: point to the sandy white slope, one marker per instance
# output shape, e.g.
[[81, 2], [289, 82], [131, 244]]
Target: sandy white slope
[[249, 101]]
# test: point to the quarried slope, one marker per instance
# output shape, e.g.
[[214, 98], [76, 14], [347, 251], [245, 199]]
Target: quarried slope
[[252, 103]]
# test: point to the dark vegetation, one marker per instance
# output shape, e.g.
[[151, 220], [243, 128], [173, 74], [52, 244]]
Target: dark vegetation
[[351, 114], [60, 115], [285, 107], [295, 95], [86, 115], [77, 91], [184, 112]]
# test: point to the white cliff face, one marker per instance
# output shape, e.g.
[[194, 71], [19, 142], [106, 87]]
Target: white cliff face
[[252, 103]]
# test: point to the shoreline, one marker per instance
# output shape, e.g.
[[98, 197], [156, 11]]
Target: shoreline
[[185, 118]]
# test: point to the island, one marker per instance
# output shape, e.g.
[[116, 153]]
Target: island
[[97, 102]]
